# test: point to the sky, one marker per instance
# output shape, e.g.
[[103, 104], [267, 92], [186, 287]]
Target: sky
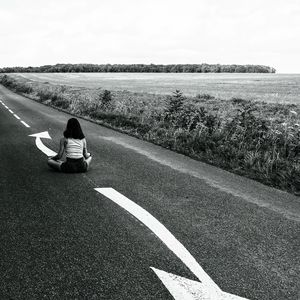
[[42, 32]]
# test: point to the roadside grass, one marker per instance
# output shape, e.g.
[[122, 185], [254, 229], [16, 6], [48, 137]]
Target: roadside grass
[[258, 140]]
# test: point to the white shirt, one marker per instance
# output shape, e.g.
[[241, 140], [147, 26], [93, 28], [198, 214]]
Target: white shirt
[[74, 148]]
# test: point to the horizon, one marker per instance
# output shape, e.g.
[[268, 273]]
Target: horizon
[[276, 71], [160, 32]]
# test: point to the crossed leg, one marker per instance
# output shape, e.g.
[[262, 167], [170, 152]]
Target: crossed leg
[[54, 164]]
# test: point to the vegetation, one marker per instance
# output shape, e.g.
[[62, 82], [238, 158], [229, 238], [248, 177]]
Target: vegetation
[[152, 68], [255, 139]]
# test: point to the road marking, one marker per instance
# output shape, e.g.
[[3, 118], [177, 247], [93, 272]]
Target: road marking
[[161, 232], [207, 285], [25, 124], [183, 288], [16, 116], [40, 145]]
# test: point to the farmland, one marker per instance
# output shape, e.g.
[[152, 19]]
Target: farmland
[[278, 88], [257, 139]]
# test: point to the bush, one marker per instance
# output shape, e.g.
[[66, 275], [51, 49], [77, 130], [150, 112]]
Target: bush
[[106, 98], [16, 86], [175, 103], [204, 97], [45, 95], [20, 88], [58, 101]]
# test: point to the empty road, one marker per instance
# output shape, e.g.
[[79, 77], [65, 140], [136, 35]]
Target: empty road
[[159, 226]]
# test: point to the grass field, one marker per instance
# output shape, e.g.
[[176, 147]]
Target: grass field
[[278, 88], [260, 140]]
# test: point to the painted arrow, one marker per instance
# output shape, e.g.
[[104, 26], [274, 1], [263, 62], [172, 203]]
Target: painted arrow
[[40, 145], [180, 288]]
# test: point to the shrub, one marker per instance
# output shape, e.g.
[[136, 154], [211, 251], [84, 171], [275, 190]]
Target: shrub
[[204, 97], [237, 101], [59, 101], [19, 87], [106, 98], [175, 103], [45, 95], [23, 89]]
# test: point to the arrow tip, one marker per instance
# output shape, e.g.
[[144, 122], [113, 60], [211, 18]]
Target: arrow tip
[[183, 288], [44, 135]]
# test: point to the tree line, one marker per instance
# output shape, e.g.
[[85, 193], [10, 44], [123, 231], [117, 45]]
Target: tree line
[[141, 68]]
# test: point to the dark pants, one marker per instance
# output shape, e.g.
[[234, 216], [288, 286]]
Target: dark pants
[[74, 165]]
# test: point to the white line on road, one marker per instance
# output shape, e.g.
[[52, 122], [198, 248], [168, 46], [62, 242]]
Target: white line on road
[[179, 287], [16, 116], [25, 124], [162, 233]]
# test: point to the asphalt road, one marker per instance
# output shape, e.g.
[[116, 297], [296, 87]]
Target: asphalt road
[[60, 239]]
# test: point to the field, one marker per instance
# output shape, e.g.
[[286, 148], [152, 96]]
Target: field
[[278, 88], [257, 139]]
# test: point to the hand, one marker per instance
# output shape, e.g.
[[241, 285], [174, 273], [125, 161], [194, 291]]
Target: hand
[[53, 157]]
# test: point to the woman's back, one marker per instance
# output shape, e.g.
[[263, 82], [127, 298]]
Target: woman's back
[[74, 148]]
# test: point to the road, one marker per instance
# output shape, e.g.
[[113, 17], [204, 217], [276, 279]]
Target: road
[[62, 239]]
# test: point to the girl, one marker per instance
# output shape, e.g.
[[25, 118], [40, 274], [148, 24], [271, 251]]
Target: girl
[[74, 145]]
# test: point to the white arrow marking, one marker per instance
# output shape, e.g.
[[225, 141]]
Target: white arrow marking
[[40, 145], [183, 288], [161, 232], [207, 285]]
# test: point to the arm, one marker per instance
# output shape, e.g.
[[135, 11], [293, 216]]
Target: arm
[[85, 153], [61, 149]]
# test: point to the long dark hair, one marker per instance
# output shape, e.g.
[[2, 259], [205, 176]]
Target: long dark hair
[[73, 130]]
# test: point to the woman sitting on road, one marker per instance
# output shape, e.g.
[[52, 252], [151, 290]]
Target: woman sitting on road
[[74, 145]]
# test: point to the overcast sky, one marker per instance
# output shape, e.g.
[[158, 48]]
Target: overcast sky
[[40, 32]]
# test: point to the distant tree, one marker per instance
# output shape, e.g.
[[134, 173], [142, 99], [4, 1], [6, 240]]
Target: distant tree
[[240, 69], [172, 68]]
